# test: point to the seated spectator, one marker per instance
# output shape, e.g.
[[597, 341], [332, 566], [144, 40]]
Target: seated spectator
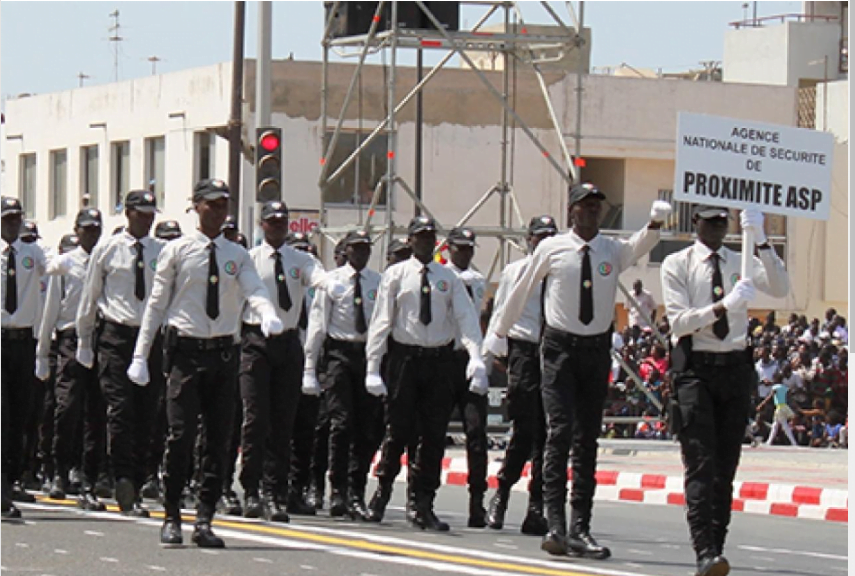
[[839, 331], [792, 380], [829, 319], [792, 325], [766, 367], [833, 428], [657, 360]]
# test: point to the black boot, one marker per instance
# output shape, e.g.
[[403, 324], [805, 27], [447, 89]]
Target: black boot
[[203, 536], [338, 507], [9, 510], [477, 514], [151, 488], [89, 501], [276, 510], [230, 504], [298, 505], [498, 507], [424, 516], [356, 504], [711, 564], [377, 506], [126, 494], [316, 495], [58, 488], [19, 494], [555, 541], [580, 542], [170, 532], [410, 509], [253, 507], [534, 523]]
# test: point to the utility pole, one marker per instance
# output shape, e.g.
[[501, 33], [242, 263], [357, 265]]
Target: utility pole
[[234, 126], [115, 39], [262, 86], [81, 77], [154, 60]]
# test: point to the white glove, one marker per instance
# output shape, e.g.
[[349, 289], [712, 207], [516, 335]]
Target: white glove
[[743, 293], [64, 262], [311, 386], [42, 368], [475, 368], [479, 385], [659, 211], [752, 219], [498, 346], [85, 356], [138, 372], [271, 325], [374, 385]]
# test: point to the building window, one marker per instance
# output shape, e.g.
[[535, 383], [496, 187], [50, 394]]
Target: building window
[[357, 183], [58, 183], [120, 159], [27, 183], [203, 165], [155, 172], [89, 176]]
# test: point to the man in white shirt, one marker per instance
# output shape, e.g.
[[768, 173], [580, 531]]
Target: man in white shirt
[[581, 269], [646, 307], [338, 325], [707, 302], [423, 306], [200, 286], [525, 405]]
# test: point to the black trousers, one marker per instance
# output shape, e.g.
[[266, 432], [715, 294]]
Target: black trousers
[[525, 410], [271, 371], [353, 414], [574, 385], [321, 446], [157, 442], [78, 399], [418, 406], [18, 364], [714, 403], [131, 409], [44, 449], [303, 442], [473, 412], [201, 383]]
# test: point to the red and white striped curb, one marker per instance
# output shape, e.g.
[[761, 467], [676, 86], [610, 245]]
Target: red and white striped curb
[[752, 497]]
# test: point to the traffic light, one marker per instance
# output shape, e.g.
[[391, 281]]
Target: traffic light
[[268, 164]]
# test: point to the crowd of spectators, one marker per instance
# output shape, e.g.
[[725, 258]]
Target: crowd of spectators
[[809, 358]]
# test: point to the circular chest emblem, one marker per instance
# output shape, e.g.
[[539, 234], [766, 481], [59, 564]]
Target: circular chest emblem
[[734, 278], [605, 269], [294, 273], [442, 286], [718, 291], [230, 268], [27, 262], [372, 294]]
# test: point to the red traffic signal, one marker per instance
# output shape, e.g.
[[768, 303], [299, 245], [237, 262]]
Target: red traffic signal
[[268, 164], [269, 141]]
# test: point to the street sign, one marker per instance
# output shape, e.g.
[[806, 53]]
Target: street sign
[[744, 164]]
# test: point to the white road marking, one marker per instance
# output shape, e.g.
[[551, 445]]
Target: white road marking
[[795, 552], [157, 568], [307, 567], [506, 546], [60, 551], [211, 552], [108, 559], [22, 545], [631, 565], [264, 560], [93, 533], [639, 552]]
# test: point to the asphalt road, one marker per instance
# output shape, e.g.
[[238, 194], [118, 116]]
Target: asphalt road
[[645, 540]]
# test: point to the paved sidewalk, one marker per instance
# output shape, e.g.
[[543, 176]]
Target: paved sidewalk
[[797, 482]]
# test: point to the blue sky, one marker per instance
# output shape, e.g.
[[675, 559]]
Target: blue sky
[[45, 45]]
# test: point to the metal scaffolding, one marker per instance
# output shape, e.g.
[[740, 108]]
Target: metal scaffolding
[[513, 43]]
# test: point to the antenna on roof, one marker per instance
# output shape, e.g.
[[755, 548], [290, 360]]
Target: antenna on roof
[[81, 77], [154, 60], [115, 39]]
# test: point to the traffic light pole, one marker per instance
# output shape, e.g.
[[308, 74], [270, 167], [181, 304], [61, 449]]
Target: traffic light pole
[[235, 116]]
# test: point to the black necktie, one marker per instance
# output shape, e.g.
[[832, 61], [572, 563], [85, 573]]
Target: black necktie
[[720, 327], [139, 266], [469, 291], [212, 306], [361, 324], [424, 304], [11, 303], [586, 291], [281, 283]]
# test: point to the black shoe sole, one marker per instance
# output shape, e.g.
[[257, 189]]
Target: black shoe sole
[[553, 548], [125, 494], [604, 555]]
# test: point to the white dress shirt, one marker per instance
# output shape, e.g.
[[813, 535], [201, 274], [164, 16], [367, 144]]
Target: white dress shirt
[[111, 282], [180, 290], [30, 266], [333, 310], [687, 293], [527, 327], [302, 271], [559, 260], [475, 285], [63, 300], [397, 311]]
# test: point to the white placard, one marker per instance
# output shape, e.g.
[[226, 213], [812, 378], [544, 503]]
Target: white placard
[[742, 164]]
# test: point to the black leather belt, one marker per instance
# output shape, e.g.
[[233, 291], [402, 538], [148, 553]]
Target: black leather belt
[[719, 358], [568, 339], [425, 352], [346, 345], [187, 344], [256, 329], [17, 333], [122, 329]]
